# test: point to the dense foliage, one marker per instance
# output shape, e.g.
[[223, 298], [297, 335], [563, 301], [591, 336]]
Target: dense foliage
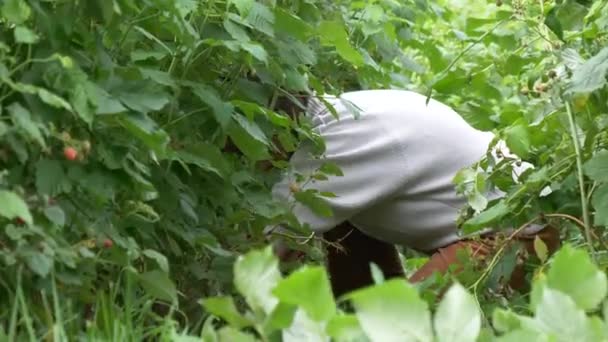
[[132, 131]]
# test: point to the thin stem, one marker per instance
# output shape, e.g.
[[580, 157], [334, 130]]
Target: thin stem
[[581, 180]]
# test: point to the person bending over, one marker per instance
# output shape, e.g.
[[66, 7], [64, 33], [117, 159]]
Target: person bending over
[[398, 156]]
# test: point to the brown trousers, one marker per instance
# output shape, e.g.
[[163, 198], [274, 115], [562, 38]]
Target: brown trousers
[[349, 264]]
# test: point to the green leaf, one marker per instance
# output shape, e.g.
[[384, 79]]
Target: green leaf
[[597, 167], [332, 33], [206, 156], [230, 334], [309, 289], [25, 35], [286, 22], [221, 110], [573, 273], [346, 328], [600, 204], [158, 284], [144, 101], [249, 140], [259, 268], [256, 50], [518, 140], [39, 263], [558, 315], [223, 307], [591, 75], [314, 202], [16, 11], [146, 129], [554, 24], [457, 317], [49, 177], [160, 259], [392, 311], [486, 218], [56, 215], [282, 316], [251, 128], [13, 206], [22, 118]]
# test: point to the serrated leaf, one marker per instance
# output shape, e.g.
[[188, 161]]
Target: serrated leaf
[[221, 110], [223, 307], [261, 268], [146, 129], [558, 315], [332, 33], [160, 259], [249, 139], [316, 203], [393, 311], [309, 289], [230, 334], [286, 22], [591, 75], [23, 119], [573, 273], [56, 215], [158, 284], [517, 138], [600, 204], [13, 206], [486, 218], [458, 318], [144, 101], [597, 167], [206, 156]]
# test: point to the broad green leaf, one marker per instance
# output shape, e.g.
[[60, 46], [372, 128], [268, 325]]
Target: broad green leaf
[[573, 273], [25, 35], [524, 335], [554, 24], [23, 118], [249, 141], [393, 311], [600, 204], [16, 11], [251, 128], [13, 206], [255, 275], [206, 156], [223, 307], [160, 259], [144, 101], [158, 284], [309, 289], [458, 318], [39, 263], [558, 316], [314, 202], [303, 328], [221, 110], [256, 50], [286, 22], [49, 177], [56, 215], [518, 140], [346, 328], [486, 218], [591, 75], [332, 33], [230, 334], [597, 167], [146, 129], [236, 31], [282, 316]]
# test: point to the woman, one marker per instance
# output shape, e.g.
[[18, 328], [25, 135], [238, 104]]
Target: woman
[[398, 155]]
